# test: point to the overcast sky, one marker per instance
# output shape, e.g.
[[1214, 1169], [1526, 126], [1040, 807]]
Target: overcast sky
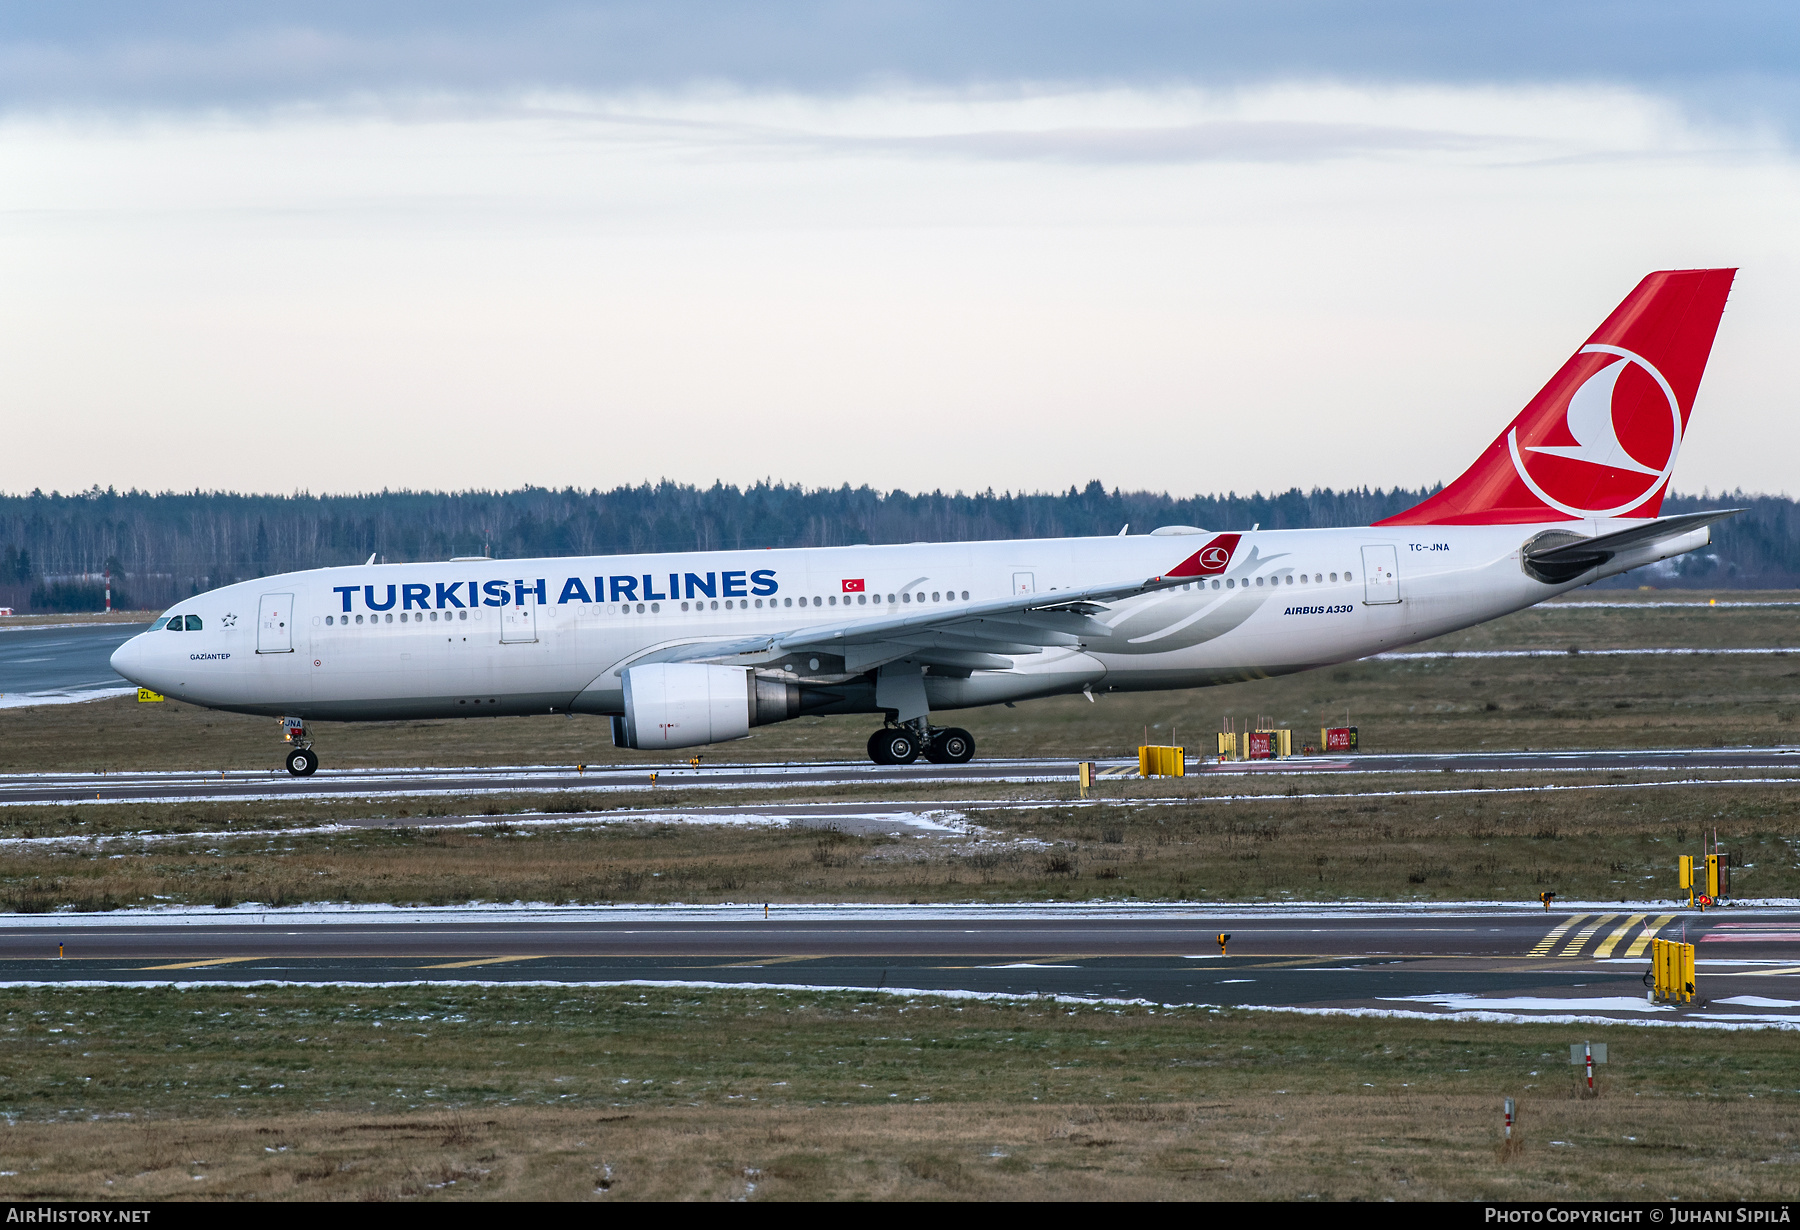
[[1186, 247]]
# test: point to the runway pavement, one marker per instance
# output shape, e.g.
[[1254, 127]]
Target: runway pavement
[[30, 788], [1443, 961], [71, 660]]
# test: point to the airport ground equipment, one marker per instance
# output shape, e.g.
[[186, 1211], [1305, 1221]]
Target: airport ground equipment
[[1712, 884], [1337, 739], [1162, 761], [146, 696], [1546, 897], [1271, 744], [1671, 974], [1084, 773]]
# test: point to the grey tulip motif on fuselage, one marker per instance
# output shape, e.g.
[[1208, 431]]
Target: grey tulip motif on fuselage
[[1167, 621]]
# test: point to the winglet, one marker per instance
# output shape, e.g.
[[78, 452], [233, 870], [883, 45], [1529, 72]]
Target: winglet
[[1211, 560]]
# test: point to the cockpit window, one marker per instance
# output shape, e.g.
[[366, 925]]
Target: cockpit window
[[193, 623], [174, 624]]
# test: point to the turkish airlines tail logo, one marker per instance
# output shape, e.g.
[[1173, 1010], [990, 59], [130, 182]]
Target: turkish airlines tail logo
[[1599, 440], [1209, 561]]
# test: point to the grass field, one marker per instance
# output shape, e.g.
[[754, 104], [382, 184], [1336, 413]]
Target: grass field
[[629, 1093], [1608, 845]]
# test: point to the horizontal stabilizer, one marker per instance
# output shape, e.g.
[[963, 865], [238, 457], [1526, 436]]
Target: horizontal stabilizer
[[1562, 558]]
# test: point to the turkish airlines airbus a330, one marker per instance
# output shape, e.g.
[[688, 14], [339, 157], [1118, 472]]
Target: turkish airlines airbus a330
[[697, 647]]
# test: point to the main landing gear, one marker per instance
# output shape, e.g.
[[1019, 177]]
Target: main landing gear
[[302, 761], [904, 744]]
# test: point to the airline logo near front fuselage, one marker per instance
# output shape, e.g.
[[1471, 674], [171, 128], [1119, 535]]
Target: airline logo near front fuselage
[[644, 587]]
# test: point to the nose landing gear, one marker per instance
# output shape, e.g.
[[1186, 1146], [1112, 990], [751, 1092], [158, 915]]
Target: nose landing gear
[[302, 761], [904, 744]]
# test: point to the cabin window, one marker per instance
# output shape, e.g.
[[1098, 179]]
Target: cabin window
[[921, 596], [1348, 577], [1334, 576], [1290, 578], [787, 602], [862, 600], [656, 608], [640, 608], [714, 605], [965, 595], [462, 614], [390, 619], [328, 621], [906, 597], [1229, 583], [359, 619], [759, 604], [1259, 580], [934, 596]]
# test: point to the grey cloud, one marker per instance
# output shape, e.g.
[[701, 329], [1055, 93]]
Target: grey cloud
[[1223, 141]]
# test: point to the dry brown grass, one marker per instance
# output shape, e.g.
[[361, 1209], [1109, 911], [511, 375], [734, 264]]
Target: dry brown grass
[[1567, 701], [567, 1093], [1607, 845], [1230, 1148]]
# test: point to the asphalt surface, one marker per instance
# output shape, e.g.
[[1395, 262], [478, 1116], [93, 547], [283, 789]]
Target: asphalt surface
[[328, 783], [1505, 961], [70, 659]]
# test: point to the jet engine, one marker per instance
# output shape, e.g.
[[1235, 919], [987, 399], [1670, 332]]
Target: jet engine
[[684, 704]]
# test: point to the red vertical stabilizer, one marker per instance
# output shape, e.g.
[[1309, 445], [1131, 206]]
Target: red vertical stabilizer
[[1599, 440]]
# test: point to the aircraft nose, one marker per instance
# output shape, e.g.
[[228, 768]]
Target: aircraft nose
[[127, 657]]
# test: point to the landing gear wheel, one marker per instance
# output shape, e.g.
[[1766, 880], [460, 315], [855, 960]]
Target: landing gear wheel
[[952, 746], [302, 762], [893, 747]]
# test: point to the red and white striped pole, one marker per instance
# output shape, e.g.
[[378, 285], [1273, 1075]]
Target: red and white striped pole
[[109, 589], [1587, 1049]]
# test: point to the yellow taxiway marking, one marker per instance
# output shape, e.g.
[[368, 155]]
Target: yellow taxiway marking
[[1574, 946], [1556, 933], [768, 961], [1647, 934], [1612, 941], [482, 961], [202, 964]]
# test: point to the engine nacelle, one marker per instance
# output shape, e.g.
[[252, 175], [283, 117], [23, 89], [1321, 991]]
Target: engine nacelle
[[684, 704]]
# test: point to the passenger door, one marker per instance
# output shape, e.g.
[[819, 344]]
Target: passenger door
[[1381, 575], [275, 624]]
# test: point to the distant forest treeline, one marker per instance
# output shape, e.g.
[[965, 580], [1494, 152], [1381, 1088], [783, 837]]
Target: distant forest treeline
[[162, 547]]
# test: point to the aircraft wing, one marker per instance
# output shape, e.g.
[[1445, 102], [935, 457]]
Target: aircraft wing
[[968, 635]]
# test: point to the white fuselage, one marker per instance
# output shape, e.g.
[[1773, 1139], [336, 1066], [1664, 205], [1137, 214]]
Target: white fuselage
[[455, 639]]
